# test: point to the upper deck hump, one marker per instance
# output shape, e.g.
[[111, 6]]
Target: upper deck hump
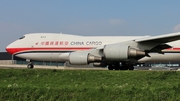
[[51, 34]]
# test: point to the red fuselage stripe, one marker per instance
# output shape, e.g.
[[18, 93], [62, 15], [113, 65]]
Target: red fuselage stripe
[[17, 50]]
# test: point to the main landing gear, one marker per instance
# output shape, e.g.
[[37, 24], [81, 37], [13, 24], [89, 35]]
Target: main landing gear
[[123, 66]]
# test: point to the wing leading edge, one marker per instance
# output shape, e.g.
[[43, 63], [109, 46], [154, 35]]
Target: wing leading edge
[[160, 39]]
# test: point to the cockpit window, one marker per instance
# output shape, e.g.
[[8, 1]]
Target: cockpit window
[[22, 37]]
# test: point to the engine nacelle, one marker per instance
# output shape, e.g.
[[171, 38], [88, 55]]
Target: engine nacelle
[[82, 58], [116, 52]]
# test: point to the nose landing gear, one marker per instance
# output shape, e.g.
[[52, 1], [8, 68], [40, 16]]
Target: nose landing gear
[[30, 65]]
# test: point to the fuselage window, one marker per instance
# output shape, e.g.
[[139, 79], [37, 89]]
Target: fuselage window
[[22, 37]]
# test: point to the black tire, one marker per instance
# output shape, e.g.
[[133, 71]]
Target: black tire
[[123, 68], [116, 68], [30, 66], [110, 67], [131, 67]]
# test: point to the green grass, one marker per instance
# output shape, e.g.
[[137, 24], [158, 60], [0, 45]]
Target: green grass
[[88, 85]]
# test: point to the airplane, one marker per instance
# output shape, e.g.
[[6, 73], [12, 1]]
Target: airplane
[[114, 52]]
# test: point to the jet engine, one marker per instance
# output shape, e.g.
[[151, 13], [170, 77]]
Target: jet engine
[[117, 52], [82, 58]]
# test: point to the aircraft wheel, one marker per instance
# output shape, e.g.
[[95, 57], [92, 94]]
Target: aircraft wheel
[[131, 67], [116, 67], [123, 68], [110, 67], [30, 66]]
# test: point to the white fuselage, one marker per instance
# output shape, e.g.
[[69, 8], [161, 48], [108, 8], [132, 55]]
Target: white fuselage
[[56, 47]]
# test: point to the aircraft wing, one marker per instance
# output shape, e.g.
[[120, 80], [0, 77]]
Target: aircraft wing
[[161, 38]]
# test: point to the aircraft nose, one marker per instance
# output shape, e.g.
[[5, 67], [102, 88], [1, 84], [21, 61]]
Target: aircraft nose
[[10, 49]]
